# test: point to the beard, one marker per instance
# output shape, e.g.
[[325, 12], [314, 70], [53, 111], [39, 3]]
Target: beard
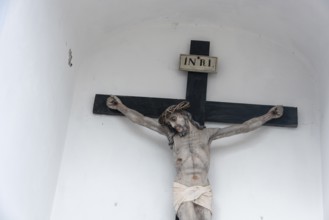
[[182, 134], [182, 130]]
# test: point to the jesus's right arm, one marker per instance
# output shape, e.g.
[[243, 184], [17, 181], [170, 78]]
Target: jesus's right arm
[[115, 103]]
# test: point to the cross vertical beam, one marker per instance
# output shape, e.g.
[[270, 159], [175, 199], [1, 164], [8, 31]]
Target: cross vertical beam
[[196, 89]]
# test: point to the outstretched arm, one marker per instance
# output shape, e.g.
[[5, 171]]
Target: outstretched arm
[[250, 125], [115, 103]]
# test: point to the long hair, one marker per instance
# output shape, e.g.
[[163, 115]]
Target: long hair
[[187, 116], [179, 108]]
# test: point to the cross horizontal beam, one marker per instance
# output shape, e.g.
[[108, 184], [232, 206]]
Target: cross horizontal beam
[[223, 112]]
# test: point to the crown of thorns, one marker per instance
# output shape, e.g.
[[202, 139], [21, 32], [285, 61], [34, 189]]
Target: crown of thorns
[[172, 109]]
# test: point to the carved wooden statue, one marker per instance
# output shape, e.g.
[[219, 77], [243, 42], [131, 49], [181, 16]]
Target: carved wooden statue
[[190, 143]]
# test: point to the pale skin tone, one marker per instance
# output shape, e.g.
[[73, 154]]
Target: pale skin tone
[[191, 149]]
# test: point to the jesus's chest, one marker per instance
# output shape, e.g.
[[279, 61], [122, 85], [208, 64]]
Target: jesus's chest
[[191, 143]]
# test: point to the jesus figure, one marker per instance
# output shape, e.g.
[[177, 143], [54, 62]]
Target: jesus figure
[[190, 143]]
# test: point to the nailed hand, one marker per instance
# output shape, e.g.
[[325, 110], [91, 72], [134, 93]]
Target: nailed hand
[[276, 111], [112, 102]]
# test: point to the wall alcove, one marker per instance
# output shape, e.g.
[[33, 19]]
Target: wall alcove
[[58, 161]]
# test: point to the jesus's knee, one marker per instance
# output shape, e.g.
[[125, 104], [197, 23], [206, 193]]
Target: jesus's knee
[[186, 211], [202, 213]]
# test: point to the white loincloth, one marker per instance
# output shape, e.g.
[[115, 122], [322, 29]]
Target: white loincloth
[[200, 195]]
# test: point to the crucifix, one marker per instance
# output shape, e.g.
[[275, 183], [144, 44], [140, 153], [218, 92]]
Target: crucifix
[[189, 139]]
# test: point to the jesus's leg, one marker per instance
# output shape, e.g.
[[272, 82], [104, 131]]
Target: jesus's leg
[[186, 211], [202, 213]]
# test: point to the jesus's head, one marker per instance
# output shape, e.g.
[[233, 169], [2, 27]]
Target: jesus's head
[[178, 120]]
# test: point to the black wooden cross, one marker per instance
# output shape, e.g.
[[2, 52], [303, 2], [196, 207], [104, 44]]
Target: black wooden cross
[[200, 109]]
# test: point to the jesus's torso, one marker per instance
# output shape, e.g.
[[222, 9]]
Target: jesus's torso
[[192, 157]]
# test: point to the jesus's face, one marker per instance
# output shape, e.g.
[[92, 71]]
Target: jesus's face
[[178, 122]]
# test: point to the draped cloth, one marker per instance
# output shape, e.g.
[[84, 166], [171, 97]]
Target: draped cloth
[[200, 195]]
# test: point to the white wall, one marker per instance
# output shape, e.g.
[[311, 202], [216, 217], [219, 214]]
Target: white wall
[[112, 169], [278, 48], [35, 94]]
